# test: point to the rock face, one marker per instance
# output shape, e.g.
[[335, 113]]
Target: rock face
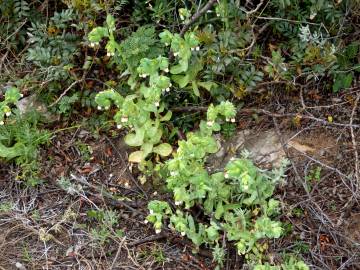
[[264, 148], [30, 103]]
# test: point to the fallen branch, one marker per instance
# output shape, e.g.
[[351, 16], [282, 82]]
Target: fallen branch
[[272, 114], [353, 140], [106, 195]]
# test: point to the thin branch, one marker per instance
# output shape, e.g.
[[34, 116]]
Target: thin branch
[[253, 10], [196, 16], [106, 195], [354, 141], [262, 111], [65, 92]]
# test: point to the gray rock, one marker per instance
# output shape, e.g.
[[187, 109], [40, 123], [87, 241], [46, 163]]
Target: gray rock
[[264, 148], [30, 103]]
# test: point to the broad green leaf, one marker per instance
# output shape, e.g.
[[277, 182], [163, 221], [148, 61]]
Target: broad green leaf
[[147, 148], [181, 80], [136, 157], [12, 95], [11, 152], [97, 34], [110, 22], [219, 210], [166, 117], [163, 149], [207, 85], [195, 89], [135, 139]]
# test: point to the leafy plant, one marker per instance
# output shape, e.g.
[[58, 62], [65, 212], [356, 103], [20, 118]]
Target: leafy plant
[[106, 227], [143, 111], [20, 137], [12, 96], [237, 202]]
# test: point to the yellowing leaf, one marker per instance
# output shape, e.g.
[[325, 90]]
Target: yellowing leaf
[[163, 149], [136, 157]]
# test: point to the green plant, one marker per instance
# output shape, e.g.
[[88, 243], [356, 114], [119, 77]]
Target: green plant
[[237, 203], [107, 221], [314, 174], [20, 137], [143, 112], [12, 96], [53, 44]]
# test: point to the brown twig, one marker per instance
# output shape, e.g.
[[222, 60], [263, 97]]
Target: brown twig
[[151, 238], [196, 16], [108, 196], [65, 92], [354, 142], [126, 167], [262, 111]]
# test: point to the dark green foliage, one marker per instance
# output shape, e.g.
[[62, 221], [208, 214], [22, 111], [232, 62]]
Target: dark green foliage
[[140, 44]]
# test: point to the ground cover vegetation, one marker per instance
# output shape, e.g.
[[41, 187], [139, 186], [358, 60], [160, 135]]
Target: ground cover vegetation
[[112, 111]]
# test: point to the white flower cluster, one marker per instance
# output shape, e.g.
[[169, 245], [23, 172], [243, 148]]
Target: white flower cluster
[[167, 89], [210, 123], [197, 48], [124, 119], [94, 44]]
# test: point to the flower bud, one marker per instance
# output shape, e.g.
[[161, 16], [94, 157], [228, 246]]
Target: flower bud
[[210, 123], [124, 119]]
